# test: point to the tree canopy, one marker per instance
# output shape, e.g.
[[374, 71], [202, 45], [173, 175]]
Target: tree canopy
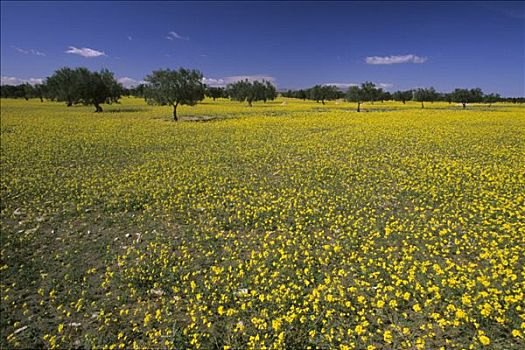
[[80, 85], [174, 87], [250, 92], [465, 96], [365, 93], [322, 93], [215, 92], [425, 95], [63, 86], [402, 96]]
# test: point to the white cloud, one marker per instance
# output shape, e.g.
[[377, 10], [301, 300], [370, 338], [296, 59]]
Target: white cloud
[[5, 80], [347, 85], [232, 79], [29, 51], [395, 59], [385, 85], [174, 35], [341, 85], [128, 82], [213, 82], [85, 52]]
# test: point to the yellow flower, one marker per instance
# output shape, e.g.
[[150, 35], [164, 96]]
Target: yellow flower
[[387, 337], [484, 339], [416, 307]]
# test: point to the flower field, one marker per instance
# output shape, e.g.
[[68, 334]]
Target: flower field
[[289, 224]]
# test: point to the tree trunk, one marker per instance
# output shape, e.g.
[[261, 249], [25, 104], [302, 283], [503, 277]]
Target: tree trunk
[[322, 101], [359, 106], [69, 103], [464, 105], [26, 98], [175, 112], [422, 105], [250, 103], [41, 99], [404, 102], [97, 108]]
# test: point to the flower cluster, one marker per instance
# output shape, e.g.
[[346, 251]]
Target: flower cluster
[[287, 225]]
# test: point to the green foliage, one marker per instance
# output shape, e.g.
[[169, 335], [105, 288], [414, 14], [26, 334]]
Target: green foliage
[[364, 93], [215, 92], [250, 92], [321, 93], [491, 98], [465, 96], [97, 88], [63, 86], [80, 85], [171, 87], [425, 95], [402, 96]]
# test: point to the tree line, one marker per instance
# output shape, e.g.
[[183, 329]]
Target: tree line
[[186, 87], [162, 87], [369, 92]]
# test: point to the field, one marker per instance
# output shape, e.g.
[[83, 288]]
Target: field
[[288, 224]]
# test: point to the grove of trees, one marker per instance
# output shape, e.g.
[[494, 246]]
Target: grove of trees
[[465, 96], [425, 95], [215, 92], [186, 87], [250, 92], [367, 92], [80, 85]]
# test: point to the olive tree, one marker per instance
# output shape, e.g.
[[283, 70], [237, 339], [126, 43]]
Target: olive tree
[[425, 95], [96, 88], [174, 87], [364, 93], [80, 85], [465, 96], [63, 86], [402, 96], [244, 90], [322, 93], [491, 98], [214, 92]]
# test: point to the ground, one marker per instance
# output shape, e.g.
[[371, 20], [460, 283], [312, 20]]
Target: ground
[[286, 224]]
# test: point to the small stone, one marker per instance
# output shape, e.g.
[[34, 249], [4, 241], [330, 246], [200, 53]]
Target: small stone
[[20, 330], [157, 292]]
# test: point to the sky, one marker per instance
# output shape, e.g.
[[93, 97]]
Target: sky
[[397, 45]]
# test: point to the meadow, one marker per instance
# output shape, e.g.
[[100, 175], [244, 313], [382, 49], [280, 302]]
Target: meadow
[[289, 224]]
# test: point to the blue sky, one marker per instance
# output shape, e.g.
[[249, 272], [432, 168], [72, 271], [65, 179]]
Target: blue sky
[[400, 45]]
